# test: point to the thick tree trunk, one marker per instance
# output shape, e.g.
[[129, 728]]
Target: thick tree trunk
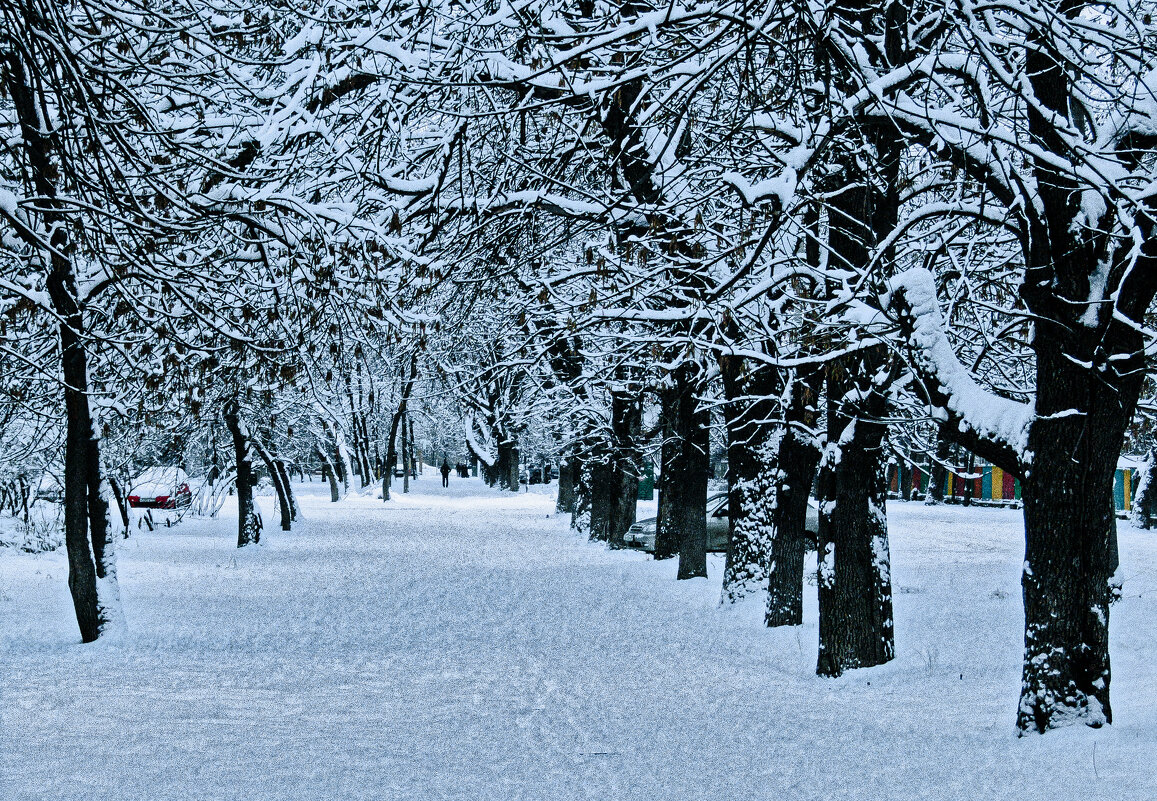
[[85, 512], [799, 456], [855, 590], [331, 473], [283, 471], [682, 523], [341, 461], [248, 526], [626, 422], [279, 483], [1069, 560], [103, 542], [938, 475], [691, 475], [1144, 512], [602, 489], [970, 482], [753, 438], [515, 457], [506, 467], [580, 518], [91, 560], [683, 513], [566, 486], [405, 457], [392, 453], [667, 527], [624, 505]]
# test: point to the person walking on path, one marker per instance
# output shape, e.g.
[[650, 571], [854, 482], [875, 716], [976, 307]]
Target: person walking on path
[[445, 473]]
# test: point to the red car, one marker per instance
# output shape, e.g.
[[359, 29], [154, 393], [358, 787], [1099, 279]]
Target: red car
[[160, 488]]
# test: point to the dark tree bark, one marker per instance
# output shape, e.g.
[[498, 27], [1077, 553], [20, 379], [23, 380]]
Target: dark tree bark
[[970, 482], [506, 466], [691, 473], [341, 465], [566, 486], [855, 591], [279, 483], [904, 478], [405, 456], [626, 423], [667, 526], [1069, 524], [938, 475], [799, 456], [331, 474], [1145, 499], [122, 504], [413, 461], [515, 461], [489, 474], [248, 525], [294, 509], [91, 565], [682, 523], [391, 454], [395, 421], [600, 486], [359, 463], [580, 518], [754, 432]]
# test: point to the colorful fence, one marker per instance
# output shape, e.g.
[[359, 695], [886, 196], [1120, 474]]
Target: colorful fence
[[991, 484]]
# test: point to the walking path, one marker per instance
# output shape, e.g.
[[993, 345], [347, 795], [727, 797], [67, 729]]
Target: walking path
[[461, 643]]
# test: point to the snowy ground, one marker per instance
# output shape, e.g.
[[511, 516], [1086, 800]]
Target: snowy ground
[[463, 644]]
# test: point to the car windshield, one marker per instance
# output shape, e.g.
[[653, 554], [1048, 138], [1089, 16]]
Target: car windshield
[[717, 504]]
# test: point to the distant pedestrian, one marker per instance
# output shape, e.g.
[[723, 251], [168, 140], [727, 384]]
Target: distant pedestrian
[[445, 473]]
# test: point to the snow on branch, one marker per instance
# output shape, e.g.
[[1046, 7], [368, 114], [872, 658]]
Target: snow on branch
[[485, 453], [782, 187], [1133, 127], [994, 427]]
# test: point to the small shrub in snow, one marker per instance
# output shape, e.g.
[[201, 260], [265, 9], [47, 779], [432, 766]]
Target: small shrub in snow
[[42, 532]]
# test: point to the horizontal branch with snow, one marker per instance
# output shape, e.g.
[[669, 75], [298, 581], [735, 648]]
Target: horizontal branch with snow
[[995, 428]]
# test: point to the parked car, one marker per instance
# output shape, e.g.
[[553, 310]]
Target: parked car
[[400, 472], [160, 488], [642, 534]]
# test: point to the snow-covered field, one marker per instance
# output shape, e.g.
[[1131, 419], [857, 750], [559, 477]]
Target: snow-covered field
[[463, 644]]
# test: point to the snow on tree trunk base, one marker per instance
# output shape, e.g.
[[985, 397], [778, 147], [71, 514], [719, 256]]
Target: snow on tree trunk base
[[799, 458], [748, 563], [1069, 522], [1066, 587], [753, 441], [681, 526], [855, 588]]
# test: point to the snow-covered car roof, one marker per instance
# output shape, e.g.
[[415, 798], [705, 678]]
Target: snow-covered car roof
[[157, 481]]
